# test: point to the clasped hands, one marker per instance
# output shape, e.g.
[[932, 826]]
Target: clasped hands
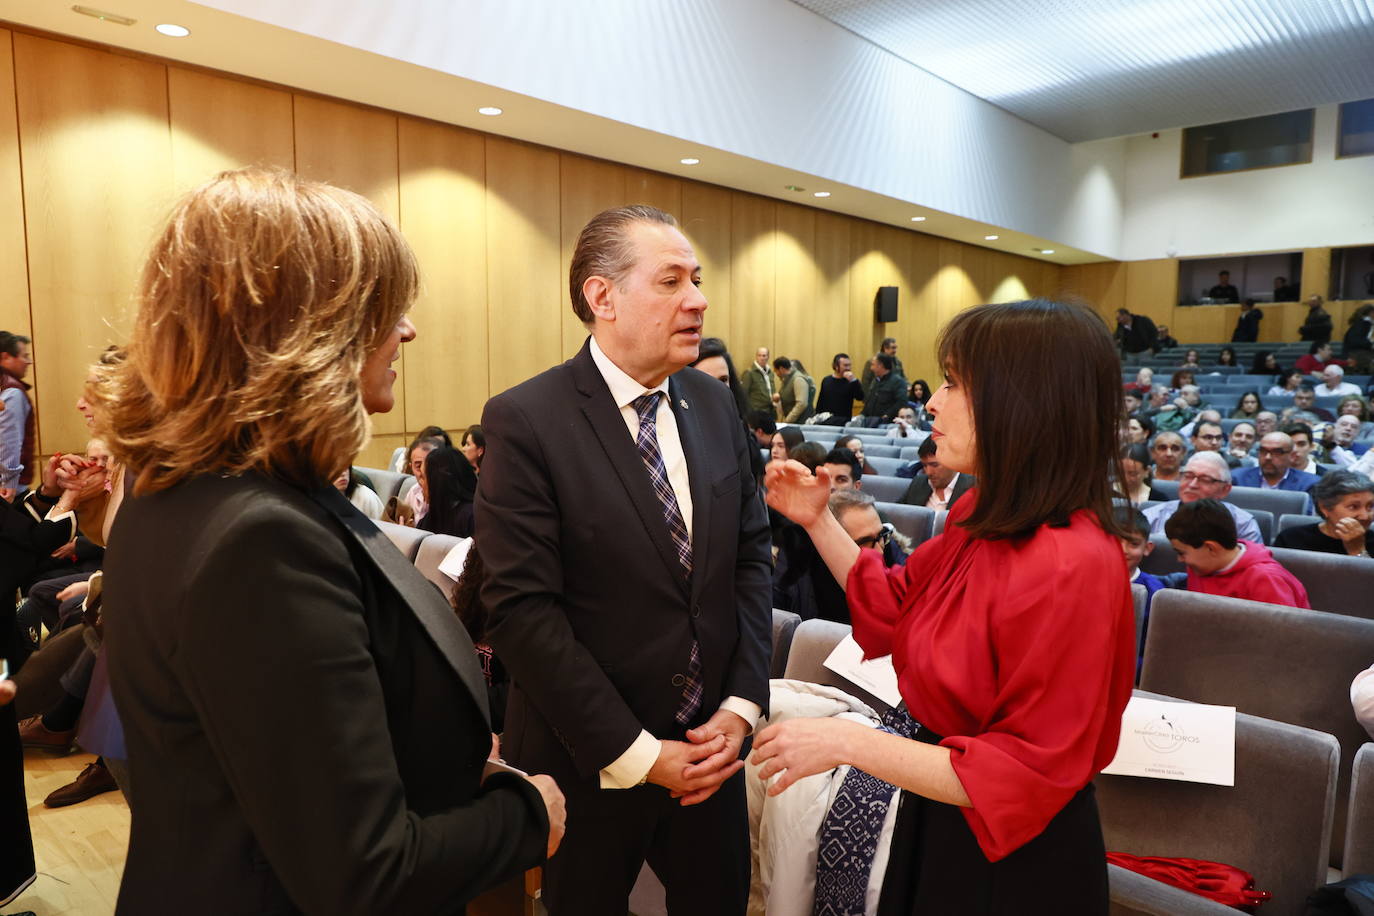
[[694, 769]]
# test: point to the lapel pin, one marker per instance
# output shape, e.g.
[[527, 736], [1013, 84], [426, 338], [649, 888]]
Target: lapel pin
[[682, 402]]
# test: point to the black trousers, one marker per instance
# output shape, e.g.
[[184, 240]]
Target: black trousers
[[699, 852], [16, 850], [936, 865]]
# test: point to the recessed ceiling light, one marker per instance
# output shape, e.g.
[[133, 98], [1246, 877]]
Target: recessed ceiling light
[[989, 238], [821, 194], [171, 30], [793, 187], [918, 219], [690, 160], [1047, 251], [490, 111]]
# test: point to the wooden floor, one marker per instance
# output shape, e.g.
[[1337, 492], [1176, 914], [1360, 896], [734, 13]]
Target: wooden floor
[[80, 848]]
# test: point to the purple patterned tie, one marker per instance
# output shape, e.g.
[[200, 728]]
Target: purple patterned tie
[[647, 443]]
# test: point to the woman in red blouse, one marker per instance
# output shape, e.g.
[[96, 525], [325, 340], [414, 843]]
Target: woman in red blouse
[[1012, 633]]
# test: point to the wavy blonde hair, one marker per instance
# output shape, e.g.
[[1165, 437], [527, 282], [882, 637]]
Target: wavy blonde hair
[[257, 307]]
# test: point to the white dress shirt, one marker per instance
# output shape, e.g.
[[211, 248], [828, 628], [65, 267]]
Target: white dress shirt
[[631, 767], [939, 499]]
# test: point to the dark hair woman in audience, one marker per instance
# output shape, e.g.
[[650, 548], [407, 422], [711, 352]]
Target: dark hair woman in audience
[[1287, 383], [402, 459], [1135, 473], [1266, 363], [1248, 405], [341, 770], [474, 446], [1190, 360], [1227, 357], [784, 440], [919, 392], [856, 445], [1345, 501], [1179, 379], [1026, 588], [713, 358], [1139, 429], [452, 489]]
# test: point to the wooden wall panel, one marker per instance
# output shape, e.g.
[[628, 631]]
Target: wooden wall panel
[[1152, 288], [443, 214], [1101, 285], [354, 148], [797, 280], [97, 185], [921, 311], [705, 219], [654, 189], [1316, 273], [586, 187], [1198, 324], [14, 261], [830, 317], [524, 289], [220, 123], [753, 228]]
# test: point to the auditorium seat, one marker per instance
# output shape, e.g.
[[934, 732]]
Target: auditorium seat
[[812, 644], [785, 625], [1265, 522], [1277, 502], [388, 483], [406, 539], [939, 525], [1139, 597], [916, 522], [887, 467], [1275, 822], [909, 453], [885, 489], [1358, 858], [1289, 520], [872, 450], [1335, 583], [431, 553], [1287, 664]]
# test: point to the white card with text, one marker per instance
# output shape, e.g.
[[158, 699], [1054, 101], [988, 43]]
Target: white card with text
[[453, 562], [877, 675], [1190, 742]]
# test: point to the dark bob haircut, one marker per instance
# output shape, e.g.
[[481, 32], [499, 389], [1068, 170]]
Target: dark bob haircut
[[1069, 418]]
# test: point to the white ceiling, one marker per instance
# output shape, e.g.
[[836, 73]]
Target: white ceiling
[[1089, 69]]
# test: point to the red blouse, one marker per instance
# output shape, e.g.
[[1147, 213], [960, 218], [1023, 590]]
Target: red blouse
[[1021, 653]]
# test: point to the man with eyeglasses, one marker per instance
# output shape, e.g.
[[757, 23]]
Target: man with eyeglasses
[[1167, 452], [1205, 476], [1275, 471]]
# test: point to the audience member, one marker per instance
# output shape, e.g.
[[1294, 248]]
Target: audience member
[[354, 655], [17, 423], [759, 384], [936, 486], [1223, 291], [1139, 429], [1285, 291], [1136, 546], [918, 392], [467, 603], [1345, 502], [1303, 459], [1208, 437], [1205, 476], [1241, 441], [784, 440], [846, 470], [887, 393], [450, 488], [1305, 406], [1317, 359], [906, 425], [713, 358], [1135, 333], [1183, 376], [1219, 562], [363, 497], [1227, 357], [856, 445], [1265, 363], [1248, 406], [839, 391], [1354, 405], [1166, 340], [401, 460], [763, 426], [1168, 451], [795, 390], [810, 454], [1131, 401], [473, 445], [1266, 422], [1135, 470], [1287, 383], [1334, 385], [1317, 326], [1340, 444], [887, 348], [1145, 378], [1247, 325], [1275, 470], [416, 499], [1357, 348]]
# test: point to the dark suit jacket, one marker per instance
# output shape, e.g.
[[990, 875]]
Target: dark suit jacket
[[305, 715], [919, 491], [26, 541], [589, 608]]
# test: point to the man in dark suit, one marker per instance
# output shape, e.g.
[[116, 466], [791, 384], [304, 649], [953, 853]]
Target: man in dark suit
[[1135, 333], [936, 487], [628, 582]]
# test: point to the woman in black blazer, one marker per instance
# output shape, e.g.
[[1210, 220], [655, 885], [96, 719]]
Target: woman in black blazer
[[305, 716]]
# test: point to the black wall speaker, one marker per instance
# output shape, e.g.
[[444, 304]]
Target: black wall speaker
[[885, 304]]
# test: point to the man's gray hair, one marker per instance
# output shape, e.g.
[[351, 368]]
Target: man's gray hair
[[1335, 370], [1218, 463], [841, 501]]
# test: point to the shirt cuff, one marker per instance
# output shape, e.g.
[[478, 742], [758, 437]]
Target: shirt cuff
[[630, 768], [749, 711]]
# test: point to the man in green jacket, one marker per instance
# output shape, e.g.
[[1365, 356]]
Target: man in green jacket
[[759, 383], [795, 390], [888, 393], [889, 346]]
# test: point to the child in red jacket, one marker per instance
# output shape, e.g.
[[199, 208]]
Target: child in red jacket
[[1204, 534]]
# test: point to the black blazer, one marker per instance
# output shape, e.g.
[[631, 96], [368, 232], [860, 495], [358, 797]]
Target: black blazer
[[26, 541], [589, 608], [918, 493], [304, 714]]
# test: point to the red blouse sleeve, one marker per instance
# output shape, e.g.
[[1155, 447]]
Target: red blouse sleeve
[[1064, 642], [875, 595]]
